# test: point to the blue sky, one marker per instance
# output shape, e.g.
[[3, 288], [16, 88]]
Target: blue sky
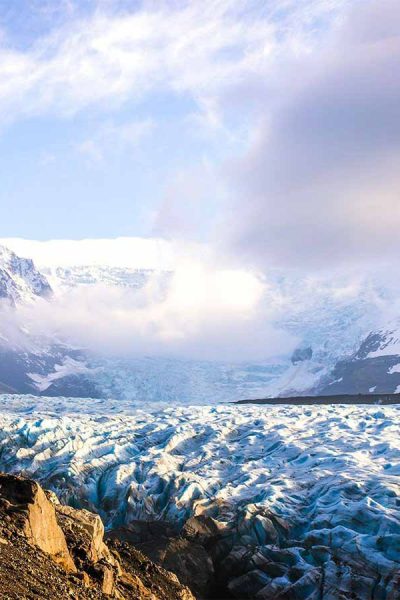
[[223, 121], [82, 178], [99, 166], [113, 107]]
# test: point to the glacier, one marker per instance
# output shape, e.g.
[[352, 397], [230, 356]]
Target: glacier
[[313, 491]]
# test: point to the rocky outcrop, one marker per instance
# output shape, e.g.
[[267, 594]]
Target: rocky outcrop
[[51, 551], [84, 532], [25, 504]]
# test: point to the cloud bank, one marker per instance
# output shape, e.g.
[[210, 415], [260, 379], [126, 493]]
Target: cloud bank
[[319, 185], [112, 55], [199, 313], [199, 309]]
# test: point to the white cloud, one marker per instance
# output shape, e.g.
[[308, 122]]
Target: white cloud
[[131, 252], [190, 201], [311, 84], [204, 309], [319, 185], [204, 313], [108, 57]]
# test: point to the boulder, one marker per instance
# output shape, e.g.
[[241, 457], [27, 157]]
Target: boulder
[[84, 526], [203, 529], [84, 532], [192, 564], [34, 517]]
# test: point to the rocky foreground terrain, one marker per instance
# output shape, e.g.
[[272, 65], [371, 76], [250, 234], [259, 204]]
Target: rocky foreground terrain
[[51, 551]]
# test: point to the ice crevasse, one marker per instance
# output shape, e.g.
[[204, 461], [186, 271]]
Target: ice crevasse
[[314, 490]]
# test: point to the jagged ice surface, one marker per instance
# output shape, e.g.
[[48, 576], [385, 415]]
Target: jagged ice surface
[[329, 473]]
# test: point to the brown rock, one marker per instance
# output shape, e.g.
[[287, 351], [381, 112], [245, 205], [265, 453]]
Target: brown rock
[[108, 581], [192, 564], [84, 578], [87, 525], [35, 517], [36, 533], [202, 529], [84, 533], [145, 579]]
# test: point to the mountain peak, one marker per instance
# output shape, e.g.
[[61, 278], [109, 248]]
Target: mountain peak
[[20, 281]]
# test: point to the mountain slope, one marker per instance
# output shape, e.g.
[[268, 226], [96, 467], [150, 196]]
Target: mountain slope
[[27, 361], [373, 368], [19, 279]]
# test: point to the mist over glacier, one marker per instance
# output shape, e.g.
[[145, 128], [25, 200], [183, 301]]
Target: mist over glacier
[[130, 297], [196, 311]]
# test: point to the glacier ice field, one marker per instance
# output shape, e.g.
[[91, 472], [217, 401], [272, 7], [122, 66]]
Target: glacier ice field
[[329, 474]]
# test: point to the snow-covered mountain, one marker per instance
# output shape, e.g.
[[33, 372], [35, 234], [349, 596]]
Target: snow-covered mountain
[[373, 367], [344, 343], [20, 281], [76, 275], [25, 359]]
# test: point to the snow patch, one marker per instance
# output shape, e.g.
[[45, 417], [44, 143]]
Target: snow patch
[[69, 367]]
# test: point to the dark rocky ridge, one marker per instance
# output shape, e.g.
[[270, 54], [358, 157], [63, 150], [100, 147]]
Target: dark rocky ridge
[[327, 399]]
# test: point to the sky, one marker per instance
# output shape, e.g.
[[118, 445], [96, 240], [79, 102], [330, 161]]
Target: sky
[[239, 135], [221, 121], [269, 129]]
